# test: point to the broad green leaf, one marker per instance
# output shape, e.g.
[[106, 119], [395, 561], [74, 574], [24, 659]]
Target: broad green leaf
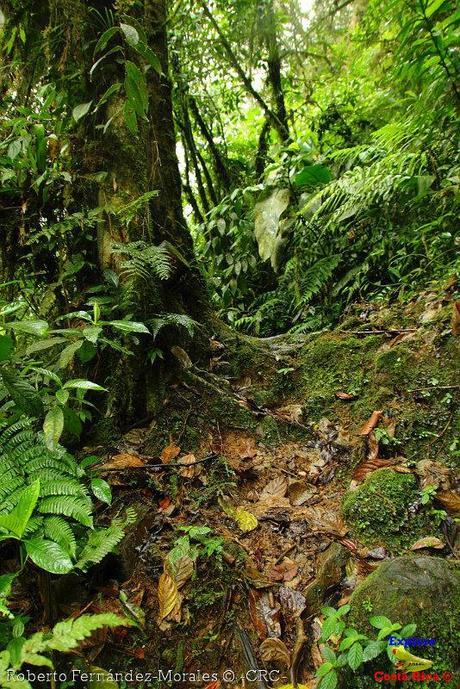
[[355, 656], [41, 345], [53, 426], [148, 55], [324, 669], [380, 621], [136, 88], [373, 649], [329, 681], [101, 490], [49, 556], [62, 396], [6, 347], [105, 38], [129, 327], [81, 110], [39, 327], [16, 521], [408, 630], [312, 176], [130, 118], [131, 34], [78, 384], [68, 353]]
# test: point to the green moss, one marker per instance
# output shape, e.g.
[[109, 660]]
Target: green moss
[[381, 512]]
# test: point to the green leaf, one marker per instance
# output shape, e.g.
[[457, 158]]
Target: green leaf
[[136, 88], [101, 490], [355, 656], [23, 394], [329, 681], [380, 621], [433, 7], [130, 118], [312, 176], [131, 34], [81, 110], [324, 669], [78, 384], [6, 347], [16, 521], [53, 426], [39, 327], [62, 396], [105, 38], [68, 353], [130, 327], [408, 630], [328, 654], [41, 345], [49, 556], [86, 352], [148, 55], [373, 649], [331, 626]]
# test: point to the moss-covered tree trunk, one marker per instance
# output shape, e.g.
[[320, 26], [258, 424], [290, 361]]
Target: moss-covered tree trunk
[[115, 167]]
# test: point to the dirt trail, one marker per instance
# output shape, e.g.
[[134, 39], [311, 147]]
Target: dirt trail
[[239, 485]]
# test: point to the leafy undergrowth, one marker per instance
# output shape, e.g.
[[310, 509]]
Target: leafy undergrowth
[[244, 531]]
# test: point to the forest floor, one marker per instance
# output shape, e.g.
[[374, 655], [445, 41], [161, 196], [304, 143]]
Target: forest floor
[[239, 486]]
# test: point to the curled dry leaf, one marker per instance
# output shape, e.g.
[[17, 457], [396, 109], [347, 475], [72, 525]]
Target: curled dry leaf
[[122, 461], [346, 396], [275, 651], [370, 465], [449, 500], [168, 595], [299, 493], [285, 571], [169, 453], [277, 487], [428, 542], [180, 571], [371, 423], [456, 318], [188, 471]]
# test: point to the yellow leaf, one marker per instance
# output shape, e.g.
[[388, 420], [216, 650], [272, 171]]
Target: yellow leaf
[[245, 520], [168, 595]]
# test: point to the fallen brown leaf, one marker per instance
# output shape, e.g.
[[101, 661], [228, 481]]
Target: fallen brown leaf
[[428, 542], [368, 466], [188, 471], [277, 487], [371, 423], [449, 500], [346, 396], [299, 493], [275, 650], [285, 571], [456, 318], [170, 452], [122, 461], [168, 595], [181, 571]]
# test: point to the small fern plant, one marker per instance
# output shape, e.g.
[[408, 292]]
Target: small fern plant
[[64, 637], [46, 503]]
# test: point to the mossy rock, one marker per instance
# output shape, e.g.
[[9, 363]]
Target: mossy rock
[[412, 589], [382, 511]]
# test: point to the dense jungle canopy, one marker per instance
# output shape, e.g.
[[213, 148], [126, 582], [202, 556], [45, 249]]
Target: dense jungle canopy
[[229, 343]]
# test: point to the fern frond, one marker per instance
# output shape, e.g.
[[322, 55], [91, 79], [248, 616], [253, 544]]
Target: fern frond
[[75, 507]]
